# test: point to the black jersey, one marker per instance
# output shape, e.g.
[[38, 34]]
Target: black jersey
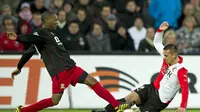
[[53, 53]]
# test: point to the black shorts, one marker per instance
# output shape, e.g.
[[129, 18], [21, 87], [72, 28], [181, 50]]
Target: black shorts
[[150, 101]]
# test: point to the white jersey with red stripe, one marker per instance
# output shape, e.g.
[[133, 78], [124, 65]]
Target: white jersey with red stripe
[[171, 77]]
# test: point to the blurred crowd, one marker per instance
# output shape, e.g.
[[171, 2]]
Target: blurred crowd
[[106, 25]]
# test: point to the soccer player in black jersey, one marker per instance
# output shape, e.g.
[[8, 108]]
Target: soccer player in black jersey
[[61, 68]]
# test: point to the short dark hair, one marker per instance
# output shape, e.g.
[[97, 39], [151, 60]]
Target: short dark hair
[[81, 9], [172, 48], [73, 21], [46, 15], [96, 23], [106, 5]]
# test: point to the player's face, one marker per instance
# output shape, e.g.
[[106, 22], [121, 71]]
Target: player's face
[[168, 56], [53, 21]]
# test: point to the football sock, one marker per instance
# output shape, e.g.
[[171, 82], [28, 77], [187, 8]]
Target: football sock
[[38, 106], [103, 93]]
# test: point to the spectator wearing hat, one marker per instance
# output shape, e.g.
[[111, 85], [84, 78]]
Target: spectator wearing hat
[[25, 13], [25, 17], [112, 29]]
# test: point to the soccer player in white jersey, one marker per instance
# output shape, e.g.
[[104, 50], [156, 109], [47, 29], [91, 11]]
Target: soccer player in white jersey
[[173, 75]]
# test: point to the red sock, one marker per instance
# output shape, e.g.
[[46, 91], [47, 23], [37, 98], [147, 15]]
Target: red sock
[[38, 106], [103, 93]]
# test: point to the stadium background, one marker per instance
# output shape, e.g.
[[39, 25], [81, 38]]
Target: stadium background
[[114, 17]]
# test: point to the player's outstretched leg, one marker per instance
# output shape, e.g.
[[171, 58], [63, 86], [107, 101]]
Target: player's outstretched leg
[[131, 99], [105, 94], [45, 103]]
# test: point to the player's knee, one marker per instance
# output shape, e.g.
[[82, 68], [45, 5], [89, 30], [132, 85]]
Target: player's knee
[[55, 101], [91, 81], [56, 98]]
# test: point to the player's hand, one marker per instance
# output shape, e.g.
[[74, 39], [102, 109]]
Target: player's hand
[[15, 73], [164, 26], [11, 35], [180, 109]]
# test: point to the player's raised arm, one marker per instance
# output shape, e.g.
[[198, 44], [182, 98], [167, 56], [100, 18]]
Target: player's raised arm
[[25, 57], [25, 38], [183, 79], [158, 37]]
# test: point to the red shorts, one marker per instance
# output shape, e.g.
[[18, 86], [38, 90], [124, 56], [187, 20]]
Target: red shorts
[[63, 79]]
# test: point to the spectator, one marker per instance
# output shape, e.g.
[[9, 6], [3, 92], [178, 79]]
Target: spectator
[[196, 4], [38, 6], [6, 44], [140, 4], [126, 43], [56, 5], [97, 40], [85, 4], [6, 11], [83, 21], [162, 10], [25, 13], [97, 6], [24, 28], [62, 29], [188, 36], [169, 37], [112, 29], [128, 17], [187, 11], [74, 41], [68, 8], [25, 17], [119, 5], [36, 22], [105, 12], [148, 19], [20, 4], [146, 44], [137, 32]]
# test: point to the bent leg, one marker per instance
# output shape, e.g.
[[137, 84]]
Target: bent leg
[[132, 98]]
